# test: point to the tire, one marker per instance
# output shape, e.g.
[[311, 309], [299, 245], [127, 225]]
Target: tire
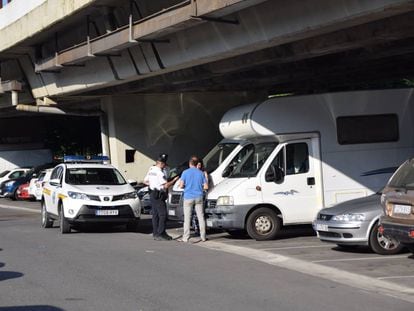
[[132, 226], [47, 222], [383, 245], [14, 197], [263, 224], [64, 224]]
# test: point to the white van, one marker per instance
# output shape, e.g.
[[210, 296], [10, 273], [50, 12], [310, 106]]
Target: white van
[[305, 153]]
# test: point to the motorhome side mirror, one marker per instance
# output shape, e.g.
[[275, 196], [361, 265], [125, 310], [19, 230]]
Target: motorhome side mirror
[[55, 182], [279, 174], [227, 171]]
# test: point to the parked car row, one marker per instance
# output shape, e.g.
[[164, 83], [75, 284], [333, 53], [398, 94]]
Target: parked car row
[[17, 186]]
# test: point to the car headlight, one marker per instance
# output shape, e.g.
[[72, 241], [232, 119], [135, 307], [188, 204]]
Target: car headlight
[[78, 195], [10, 183], [225, 200], [130, 195], [349, 217]]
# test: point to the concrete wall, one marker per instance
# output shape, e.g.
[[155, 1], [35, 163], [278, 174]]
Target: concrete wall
[[177, 124]]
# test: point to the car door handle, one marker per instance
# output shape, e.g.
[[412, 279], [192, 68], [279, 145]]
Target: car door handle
[[311, 181]]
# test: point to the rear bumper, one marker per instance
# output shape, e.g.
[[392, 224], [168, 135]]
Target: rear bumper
[[400, 231]]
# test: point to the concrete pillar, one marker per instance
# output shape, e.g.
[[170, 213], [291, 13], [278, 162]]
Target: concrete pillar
[[143, 126]]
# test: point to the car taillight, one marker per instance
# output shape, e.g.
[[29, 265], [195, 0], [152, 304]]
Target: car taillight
[[411, 234]]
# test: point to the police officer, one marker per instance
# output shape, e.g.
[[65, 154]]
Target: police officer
[[158, 185]]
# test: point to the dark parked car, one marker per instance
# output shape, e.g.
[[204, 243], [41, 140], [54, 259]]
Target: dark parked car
[[9, 188]]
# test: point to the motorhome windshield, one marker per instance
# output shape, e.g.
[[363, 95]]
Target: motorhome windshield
[[217, 155], [253, 160], [404, 177]]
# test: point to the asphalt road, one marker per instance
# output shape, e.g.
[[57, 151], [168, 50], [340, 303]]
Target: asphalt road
[[110, 269]]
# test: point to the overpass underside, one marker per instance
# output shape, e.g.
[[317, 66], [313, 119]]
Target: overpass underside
[[75, 55]]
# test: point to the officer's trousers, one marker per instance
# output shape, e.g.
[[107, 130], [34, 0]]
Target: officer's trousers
[[159, 215]]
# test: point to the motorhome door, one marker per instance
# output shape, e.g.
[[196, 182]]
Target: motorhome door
[[296, 188]]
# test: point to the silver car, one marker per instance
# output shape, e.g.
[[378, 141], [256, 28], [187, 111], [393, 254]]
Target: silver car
[[354, 223]]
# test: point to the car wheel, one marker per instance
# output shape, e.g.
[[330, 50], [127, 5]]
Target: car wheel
[[383, 245], [132, 226], [263, 224], [15, 196], [46, 221], [64, 224]]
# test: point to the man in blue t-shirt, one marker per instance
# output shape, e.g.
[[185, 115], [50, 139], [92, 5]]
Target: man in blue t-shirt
[[194, 182]]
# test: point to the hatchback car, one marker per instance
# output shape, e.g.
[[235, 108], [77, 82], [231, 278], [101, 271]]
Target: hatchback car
[[36, 184], [22, 192], [13, 174], [354, 223], [83, 191], [398, 203]]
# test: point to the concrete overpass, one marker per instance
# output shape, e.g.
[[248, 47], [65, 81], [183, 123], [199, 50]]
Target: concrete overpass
[[152, 66]]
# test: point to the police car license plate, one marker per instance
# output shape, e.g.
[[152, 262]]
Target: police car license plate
[[171, 212], [106, 212], [402, 209], [209, 223], [321, 227]]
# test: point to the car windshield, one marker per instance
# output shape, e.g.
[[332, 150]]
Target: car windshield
[[4, 173], [94, 176], [217, 155], [404, 177], [254, 157]]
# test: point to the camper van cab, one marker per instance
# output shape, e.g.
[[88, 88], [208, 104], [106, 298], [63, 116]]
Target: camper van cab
[[304, 153], [218, 163]]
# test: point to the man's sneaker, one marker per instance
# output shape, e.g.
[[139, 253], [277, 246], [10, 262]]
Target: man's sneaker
[[168, 237], [164, 238], [157, 238]]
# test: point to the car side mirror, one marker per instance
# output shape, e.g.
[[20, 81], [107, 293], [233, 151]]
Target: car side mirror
[[55, 182], [132, 182]]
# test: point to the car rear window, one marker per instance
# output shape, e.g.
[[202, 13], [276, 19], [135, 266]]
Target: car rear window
[[404, 177]]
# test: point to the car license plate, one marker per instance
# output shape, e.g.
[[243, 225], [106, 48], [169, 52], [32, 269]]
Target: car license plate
[[402, 209], [321, 227], [107, 212], [171, 212], [209, 223]]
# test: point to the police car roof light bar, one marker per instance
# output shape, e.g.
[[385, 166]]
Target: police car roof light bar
[[85, 159]]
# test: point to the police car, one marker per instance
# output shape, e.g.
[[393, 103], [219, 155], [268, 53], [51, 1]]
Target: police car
[[86, 190]]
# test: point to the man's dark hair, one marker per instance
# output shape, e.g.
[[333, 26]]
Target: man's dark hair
[[194, 160]]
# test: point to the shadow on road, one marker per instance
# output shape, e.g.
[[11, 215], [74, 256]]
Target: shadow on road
[[31, 308], [6, 275]]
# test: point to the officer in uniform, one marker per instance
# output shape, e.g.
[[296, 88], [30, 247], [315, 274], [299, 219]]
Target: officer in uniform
[[158, 185]]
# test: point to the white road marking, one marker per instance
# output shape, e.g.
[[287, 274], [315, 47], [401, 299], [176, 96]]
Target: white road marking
[[296, 247], [396, 277], [361, 258], [20, 208], [332, 274]]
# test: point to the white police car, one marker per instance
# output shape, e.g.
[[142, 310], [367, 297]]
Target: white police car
[[83, 191]]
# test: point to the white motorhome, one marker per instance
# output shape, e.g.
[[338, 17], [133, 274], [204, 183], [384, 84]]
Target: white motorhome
[[304, 153]]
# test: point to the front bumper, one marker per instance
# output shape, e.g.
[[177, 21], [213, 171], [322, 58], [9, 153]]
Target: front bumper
[[77, 211], [400, 231], [353, 233], [175, 207], [227, 217]]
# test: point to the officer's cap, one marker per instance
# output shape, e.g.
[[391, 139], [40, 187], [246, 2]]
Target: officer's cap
[[163, 157]]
